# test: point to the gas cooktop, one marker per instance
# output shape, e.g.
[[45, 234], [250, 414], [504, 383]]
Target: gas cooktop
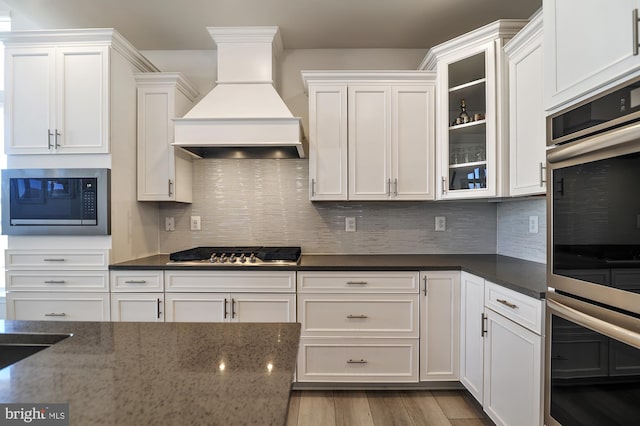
[[240, 256]]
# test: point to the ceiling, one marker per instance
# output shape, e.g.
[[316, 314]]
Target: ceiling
[[304, 24]]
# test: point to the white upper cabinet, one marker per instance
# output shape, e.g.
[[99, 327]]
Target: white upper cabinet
[[471, 125], [527, 142], [588, 46], [59, 86], [371, 135], [57, 100], [164, 171], [328, 152]]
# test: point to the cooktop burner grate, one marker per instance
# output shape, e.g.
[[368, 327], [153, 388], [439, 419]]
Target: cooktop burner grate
[[238, 255]]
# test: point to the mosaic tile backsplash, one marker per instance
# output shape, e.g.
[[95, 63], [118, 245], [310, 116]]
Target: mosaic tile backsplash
[[266, 202]]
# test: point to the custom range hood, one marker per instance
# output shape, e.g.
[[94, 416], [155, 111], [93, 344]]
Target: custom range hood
[[243, 116]]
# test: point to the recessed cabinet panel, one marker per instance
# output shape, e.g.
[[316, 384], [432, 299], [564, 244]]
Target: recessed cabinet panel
[[82, 99], [328, 152], [588, 45], [369, 147], [413, 142], [29, 99]]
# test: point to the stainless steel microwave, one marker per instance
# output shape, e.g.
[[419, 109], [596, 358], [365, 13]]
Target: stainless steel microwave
[[56, 202]]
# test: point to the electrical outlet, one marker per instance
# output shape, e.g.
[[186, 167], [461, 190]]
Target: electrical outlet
[[533, 224], [350, 224], [195, 223], [169, 224], [441, 223]]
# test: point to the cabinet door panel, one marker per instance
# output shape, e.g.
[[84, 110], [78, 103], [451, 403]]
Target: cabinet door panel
[[137, 307], [254, 307], [413, 142], [29, 100], [369, 147], [82, 112], [153, 129], [527, 141], [189, 307], [328, 143], [439, 326], [588, 43], [471, 338], [512, 365]]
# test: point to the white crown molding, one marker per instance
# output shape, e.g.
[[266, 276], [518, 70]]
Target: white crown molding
[[176, 79], [269, 35], [342, 76]]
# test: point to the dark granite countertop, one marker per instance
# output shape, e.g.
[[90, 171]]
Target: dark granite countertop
[[526, 277], [158, 373]]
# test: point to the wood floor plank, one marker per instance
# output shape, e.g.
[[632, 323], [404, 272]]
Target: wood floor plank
[[472, 422], [423, 409], [352, 408], [317, 409], [294, 408], [387, 409], [457, 405]]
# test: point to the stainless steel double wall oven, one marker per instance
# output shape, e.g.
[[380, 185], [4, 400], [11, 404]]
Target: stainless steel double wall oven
[[592, 369]]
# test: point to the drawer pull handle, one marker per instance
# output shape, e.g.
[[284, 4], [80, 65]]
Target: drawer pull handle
[[53, 314], [54, 281], [357, 361], [505, 303], [158, 312], [357, 316], [54, 260], [135, 282], [357, 283]]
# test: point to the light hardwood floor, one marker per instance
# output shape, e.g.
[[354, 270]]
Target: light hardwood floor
[[385, 408]]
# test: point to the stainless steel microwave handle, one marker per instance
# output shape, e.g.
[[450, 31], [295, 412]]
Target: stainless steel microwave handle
[[602, 326], [634, 15]]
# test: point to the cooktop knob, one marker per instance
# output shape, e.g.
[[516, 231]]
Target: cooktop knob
[[214, 258], [252, 258], [243, 258], [232, 258], [223, 258]]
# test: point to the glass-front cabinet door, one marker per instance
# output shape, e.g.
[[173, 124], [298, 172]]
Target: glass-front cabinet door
[[467, 136]]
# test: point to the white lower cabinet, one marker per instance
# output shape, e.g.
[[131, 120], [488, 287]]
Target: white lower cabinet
[[137, 295], [58, 306], [503, 367], [439, 325], [471, 334], [358, 327], [57, 284], [230, 296], [137, 307], [230, 307], [513, 372]]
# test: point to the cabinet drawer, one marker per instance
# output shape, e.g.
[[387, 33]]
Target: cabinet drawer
[[519, 308], [56, 259], [233, 281], [358, 282], [136, 281], [359, 315], [58, 281], [58, 306], [373, 361]]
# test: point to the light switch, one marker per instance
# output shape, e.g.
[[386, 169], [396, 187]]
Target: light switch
[[195, 223], [169, 224]]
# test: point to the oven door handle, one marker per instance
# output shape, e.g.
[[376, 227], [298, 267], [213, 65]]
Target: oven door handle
[[600, 325]]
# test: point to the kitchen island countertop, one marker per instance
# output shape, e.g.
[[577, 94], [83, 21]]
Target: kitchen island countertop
[[523, 276], [158, 373]]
